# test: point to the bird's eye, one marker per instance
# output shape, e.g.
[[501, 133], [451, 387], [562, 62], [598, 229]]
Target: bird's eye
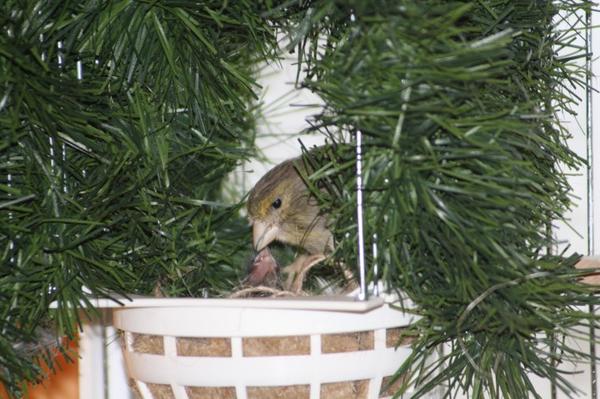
[[277, 203]]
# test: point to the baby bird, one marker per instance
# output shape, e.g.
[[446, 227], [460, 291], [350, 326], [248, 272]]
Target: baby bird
[[263, 270], [281, 208]]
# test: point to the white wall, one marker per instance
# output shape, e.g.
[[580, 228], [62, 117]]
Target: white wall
[[285, 110], [581, 232]]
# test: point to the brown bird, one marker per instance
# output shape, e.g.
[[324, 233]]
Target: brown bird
[[281, 208]]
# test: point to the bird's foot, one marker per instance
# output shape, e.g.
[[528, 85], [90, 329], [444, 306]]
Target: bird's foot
[[298, 269]]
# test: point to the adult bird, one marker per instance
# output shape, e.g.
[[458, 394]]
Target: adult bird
[[282, 208]]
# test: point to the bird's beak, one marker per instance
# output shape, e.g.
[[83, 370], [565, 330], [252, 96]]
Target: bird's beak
[[263, 234]]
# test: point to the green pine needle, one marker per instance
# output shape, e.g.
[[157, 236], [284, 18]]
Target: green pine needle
[[457, 102], [120, 122]]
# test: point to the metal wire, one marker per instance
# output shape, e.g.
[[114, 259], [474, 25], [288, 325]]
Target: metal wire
[[362, 294], [375, 267], [590, 187]]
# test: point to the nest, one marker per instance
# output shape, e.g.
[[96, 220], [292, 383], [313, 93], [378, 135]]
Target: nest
[[266, 279], [273, 346]]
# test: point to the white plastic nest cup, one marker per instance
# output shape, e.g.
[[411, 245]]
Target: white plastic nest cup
[[239, 320]]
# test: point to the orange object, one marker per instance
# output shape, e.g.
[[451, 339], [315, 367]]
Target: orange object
[[590, 262], [64, 384]]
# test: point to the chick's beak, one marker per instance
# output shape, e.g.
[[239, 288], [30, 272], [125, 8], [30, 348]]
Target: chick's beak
[[263, 234]]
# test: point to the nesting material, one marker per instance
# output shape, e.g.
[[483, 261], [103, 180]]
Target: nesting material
[[211, 392], [271, 346], [395, 337], [290, 391], [261, 291], [276, 346], [348, 342], [345, 390], [389, 388], [338, 390], [216, 347], [133, 386], [161, 391], [152, 344]]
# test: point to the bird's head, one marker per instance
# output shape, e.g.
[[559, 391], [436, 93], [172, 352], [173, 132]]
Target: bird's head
[[276, 205]]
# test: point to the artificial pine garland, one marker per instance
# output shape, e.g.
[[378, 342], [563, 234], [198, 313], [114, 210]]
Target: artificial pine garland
[[458, 104], [121, 119]]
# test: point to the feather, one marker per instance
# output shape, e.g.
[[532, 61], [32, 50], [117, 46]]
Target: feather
[[298, 219]]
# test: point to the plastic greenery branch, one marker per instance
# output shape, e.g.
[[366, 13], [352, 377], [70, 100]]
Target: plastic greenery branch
[[458, 105], [120, 121]]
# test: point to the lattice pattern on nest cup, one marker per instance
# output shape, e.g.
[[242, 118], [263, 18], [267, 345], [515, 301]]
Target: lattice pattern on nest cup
[[256, 353]]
